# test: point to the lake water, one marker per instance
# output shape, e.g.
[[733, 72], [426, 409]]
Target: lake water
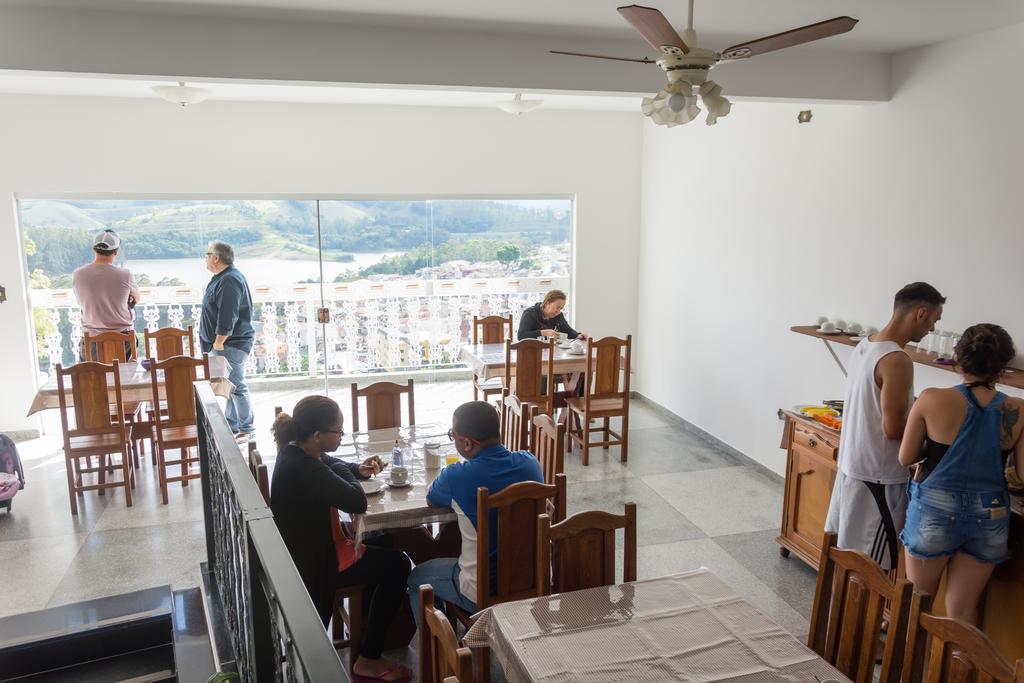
[[258, 271]]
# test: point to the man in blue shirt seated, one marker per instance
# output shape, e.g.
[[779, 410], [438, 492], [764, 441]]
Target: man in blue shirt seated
[[476, 431]]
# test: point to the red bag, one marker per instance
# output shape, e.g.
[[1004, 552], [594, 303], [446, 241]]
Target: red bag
[[347, 550]]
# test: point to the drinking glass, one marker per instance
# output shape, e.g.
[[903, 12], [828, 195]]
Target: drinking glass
[[946, 345], [451, 457]]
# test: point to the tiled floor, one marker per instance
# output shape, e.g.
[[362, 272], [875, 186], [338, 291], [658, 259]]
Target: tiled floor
[[697, 506]]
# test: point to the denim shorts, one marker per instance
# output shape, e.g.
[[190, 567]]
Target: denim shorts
[[941, 522]]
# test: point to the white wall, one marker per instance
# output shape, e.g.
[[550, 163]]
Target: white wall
[[759, 224], [86, 145]]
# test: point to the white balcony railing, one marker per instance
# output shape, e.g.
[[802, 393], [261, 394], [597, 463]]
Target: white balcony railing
[[374, 326]]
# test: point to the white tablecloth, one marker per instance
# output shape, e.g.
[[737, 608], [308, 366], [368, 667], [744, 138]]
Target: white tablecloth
[[684, 627]]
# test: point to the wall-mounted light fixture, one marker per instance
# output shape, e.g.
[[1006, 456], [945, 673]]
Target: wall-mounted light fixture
[[804, 116], [3, 294]]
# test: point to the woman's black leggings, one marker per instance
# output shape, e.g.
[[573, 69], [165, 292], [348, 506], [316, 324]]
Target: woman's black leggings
[[385, 574]]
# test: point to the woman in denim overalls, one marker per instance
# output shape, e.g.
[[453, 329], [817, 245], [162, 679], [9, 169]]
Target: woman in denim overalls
[[960, 438]]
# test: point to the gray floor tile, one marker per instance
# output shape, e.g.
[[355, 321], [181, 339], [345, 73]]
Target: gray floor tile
[[603, 465], [32, 570], [122, 560], [668, 558], [43, 509], [657, 521], [184, 504], [661, 450], [730, 500], [789, 577]]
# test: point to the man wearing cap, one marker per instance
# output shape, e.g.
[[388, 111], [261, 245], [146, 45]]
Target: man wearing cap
[[105, 292], [225, 329]]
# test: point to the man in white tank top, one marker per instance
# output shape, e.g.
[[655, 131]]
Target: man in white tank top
[[869, 500]]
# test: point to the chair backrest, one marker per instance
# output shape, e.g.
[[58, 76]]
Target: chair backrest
[[516, 417], [440, 654], [608, 365], [548, 444], [168, 342], [383, 405], [515, 510], [493, 329], [259, 471], [179, 373], [947, 650], [90, 398], [110, 346], [846, 619], [530, 370], [583, 550]]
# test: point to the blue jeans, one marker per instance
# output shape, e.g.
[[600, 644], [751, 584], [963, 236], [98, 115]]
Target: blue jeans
[[443, 575], [239, 409]]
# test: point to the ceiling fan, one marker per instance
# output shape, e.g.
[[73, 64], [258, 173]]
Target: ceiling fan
[[687, 65]]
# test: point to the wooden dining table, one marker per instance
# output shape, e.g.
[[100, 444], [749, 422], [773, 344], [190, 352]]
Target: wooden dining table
[[136, 385], [684, 627], [398, 507], [488, 360]]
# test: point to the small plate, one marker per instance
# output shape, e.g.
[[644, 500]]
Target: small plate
[[397, 486], [821, 331], [575, 353], [371, 486]]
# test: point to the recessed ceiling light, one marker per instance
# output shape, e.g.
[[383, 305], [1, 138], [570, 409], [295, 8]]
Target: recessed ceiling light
[[181, 94], [518, 105]]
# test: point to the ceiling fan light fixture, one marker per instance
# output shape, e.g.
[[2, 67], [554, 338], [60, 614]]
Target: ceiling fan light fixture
[[518, 105], [672, 106], [181, 94], [717, 105]]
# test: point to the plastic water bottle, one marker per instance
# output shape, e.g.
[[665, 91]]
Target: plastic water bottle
[[396, 455]]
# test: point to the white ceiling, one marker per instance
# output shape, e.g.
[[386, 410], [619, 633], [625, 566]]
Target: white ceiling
[[885, 25], [22, 83]]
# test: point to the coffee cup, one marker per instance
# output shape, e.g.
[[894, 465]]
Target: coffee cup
[[432, 455], [577, 346], [399, 475], [854, 328], [822, 319], [562, 336], [868, 331], [840, 324], [827, 327]]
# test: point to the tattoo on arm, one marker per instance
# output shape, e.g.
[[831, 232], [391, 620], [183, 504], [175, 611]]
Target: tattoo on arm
[[1011, 414]]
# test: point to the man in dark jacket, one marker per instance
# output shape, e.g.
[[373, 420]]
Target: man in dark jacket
[[226, 330]]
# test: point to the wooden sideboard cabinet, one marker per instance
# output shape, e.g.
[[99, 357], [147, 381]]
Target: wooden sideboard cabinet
[[811, 451]]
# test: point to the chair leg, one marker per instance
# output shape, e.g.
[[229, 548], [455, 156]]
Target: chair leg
[[104, 466], [161, 471], [355, 626], [586, 439], [476, 392], [606, 432], [185, 455], [129, 477], [624, 449], [71, 466]]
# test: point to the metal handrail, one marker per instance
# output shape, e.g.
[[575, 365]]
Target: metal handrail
[[275, 632]]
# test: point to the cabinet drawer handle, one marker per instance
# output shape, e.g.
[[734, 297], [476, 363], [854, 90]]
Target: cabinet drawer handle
[[806, 472], [811, 442]]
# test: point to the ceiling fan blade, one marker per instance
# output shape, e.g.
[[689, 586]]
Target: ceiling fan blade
[[645, 60], [796, 36], [654, 27]]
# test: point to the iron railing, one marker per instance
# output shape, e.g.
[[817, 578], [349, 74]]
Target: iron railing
[[275, 632]]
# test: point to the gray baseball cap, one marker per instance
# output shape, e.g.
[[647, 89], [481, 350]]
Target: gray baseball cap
[[107, 241]]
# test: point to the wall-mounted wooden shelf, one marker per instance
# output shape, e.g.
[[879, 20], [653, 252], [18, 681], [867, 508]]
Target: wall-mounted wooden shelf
[[1014, 377]]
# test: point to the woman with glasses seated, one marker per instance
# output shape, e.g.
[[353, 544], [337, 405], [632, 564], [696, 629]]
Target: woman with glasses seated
[[308, 489], [476, 432]]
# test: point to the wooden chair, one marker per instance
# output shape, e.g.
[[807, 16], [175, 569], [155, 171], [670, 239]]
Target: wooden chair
[[605, 396], [548, 444], [110, 346], [383, 405], [168, 342], [96, 432], [583, 550], [259, 471], [177, 430], [492, 329], [516, 418], [162, 344], [846, 618], [516, 509], [440, 654], [106, 347], [532, 380], [347, 623], [947, 650]]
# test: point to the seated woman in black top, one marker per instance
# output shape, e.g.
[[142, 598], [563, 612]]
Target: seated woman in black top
[[546, 320], [307, 484]]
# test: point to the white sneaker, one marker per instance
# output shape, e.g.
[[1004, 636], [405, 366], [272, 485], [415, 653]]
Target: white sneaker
[[245, 437]]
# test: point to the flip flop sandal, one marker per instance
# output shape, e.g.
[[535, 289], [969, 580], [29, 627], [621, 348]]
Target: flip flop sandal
[[356, 678]]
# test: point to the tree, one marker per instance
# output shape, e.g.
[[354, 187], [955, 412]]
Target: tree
[[166, 282], [30, 246], [508, 253], [143, 280], [37, 280]]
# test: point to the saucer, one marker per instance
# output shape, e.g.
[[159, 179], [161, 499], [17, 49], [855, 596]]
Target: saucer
[[576, 353], [821, 331], [397, 486], [371, 486]]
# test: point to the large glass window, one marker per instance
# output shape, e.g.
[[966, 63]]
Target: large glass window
[[401, 279]]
